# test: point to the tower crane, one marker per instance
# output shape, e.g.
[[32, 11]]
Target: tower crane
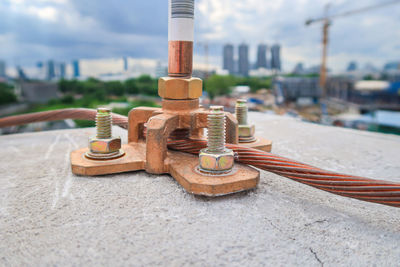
[[326, 20]]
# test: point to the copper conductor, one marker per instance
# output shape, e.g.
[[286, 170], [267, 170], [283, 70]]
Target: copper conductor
[[180, 58]]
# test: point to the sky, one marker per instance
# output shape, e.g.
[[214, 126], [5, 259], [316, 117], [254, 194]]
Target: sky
[[63, 30]]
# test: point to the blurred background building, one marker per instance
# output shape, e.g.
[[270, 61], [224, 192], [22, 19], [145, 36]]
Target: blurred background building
[[228, 61], [243, 60]]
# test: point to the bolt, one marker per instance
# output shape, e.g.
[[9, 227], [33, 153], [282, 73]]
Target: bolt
[[246, 131], [103, 123], [241, 111], [216, 129], [104, 145], [216, 159]]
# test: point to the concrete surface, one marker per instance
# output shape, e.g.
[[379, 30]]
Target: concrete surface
[[50, 217]]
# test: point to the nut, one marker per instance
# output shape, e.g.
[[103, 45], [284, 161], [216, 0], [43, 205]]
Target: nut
[[180, 88], [104, 146], [216, 162], [246, 130]]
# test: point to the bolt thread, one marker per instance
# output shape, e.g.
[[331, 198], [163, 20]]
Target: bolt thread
[[103, 123], [241, 111], [216, 129]]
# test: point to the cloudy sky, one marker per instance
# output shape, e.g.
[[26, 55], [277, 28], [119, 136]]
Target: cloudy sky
[[34, 30]]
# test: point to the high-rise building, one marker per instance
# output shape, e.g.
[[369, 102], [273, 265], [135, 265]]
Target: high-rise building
[[51, 72], [228, 59], [352, 66], [62, 70], [75, 67], [244, 59], [21, 73], [276, 57], [2, 69], [262, 56], [299, 68]]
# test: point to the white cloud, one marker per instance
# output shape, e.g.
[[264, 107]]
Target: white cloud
[[46, 13]]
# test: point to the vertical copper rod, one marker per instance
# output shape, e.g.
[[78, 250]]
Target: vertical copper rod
[[180, 58], [180, 37]]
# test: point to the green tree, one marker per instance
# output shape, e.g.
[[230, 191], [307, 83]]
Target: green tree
[[70, 86], [368, 77], [67, 99], [147, 85], [219, 85], [255, 83], [131, 86], [115, 88], [92, 86], [7, 95]]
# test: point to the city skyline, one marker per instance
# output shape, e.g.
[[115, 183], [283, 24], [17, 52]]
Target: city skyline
[[242, 64], [30, 30]]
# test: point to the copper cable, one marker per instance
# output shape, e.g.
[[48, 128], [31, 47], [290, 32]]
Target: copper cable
[[371, 190], [60, 114]]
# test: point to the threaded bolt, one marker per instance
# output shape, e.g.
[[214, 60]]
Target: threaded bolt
[[216, 159], [241, 111], [216, 130], [103, 123]]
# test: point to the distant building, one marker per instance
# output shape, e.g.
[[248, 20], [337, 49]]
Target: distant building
[[38, 92], [51, 72], [369, 67], [368, 94], [293, 88], [75, 67], [21, 74], [244, 59], [352, 66], [262, 56], [229, 64], [2, 69], [316, 69], [299, 68], [62, 71], [125, 63], [276, 57], [392, 66]]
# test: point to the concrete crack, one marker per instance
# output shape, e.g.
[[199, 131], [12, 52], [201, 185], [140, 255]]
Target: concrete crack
[[316, 256], [318, 221]]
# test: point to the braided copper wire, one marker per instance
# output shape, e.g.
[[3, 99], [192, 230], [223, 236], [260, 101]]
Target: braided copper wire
[[60, 114], [378, 191]]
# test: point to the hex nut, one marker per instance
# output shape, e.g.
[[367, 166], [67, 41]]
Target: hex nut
[[216, 162], [104, 146], [246, 130], [180, 88]]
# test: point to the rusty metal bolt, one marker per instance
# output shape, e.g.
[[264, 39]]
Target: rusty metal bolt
[[104, 145], [246, 131], [216, 158]]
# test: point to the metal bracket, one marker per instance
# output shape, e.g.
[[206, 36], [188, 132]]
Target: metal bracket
[[149, 151]]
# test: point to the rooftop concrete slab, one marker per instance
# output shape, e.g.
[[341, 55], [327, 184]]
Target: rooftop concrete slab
[[48, 216]]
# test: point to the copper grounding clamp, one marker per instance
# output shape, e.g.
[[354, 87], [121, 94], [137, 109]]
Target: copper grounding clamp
[[213, 172]]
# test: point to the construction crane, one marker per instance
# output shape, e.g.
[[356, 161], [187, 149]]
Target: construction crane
[[326, 20]]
